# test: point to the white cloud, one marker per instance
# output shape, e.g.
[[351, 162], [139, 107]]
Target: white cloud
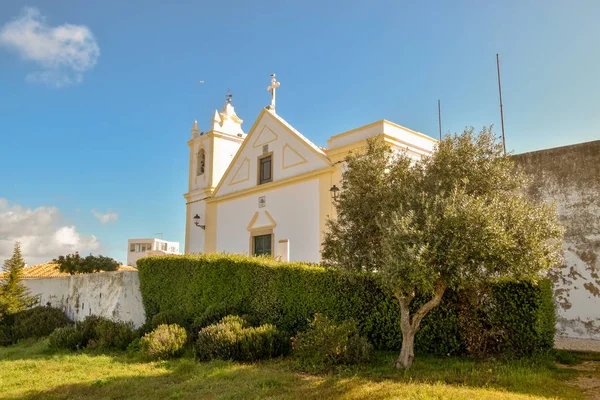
[[64, 52], [42, 233], [105, 218]]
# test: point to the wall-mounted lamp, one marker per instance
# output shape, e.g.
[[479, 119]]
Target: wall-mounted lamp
[[334, 191], [197, 222]]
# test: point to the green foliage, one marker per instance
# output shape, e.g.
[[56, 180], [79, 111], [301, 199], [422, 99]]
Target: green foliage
[[14, 295], [326, 344], [88, 328], [214, 313], [75, 264], [68, 337], [527, 315], [167, 318], [456, 218], [289, 294], [232, 339], [114, 335], [166, 341], [6, 338], [38, 322]]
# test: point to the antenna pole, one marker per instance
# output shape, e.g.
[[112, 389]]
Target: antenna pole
[[501, 110], [440, 118]]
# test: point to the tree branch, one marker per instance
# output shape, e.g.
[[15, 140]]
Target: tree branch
[[431, 304]]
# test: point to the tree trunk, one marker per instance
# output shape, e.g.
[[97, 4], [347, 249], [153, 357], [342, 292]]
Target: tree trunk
[[407, 354], [410, 326]]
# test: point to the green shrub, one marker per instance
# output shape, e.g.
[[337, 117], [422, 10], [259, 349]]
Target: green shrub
[[233, 339], [526, 314], [325, 344], [166, 341], [88, 327], [287, 295], [38, 322], [133, 347], [68, 337], [114, 335], [214, 313], [167, 318], [5, 333]]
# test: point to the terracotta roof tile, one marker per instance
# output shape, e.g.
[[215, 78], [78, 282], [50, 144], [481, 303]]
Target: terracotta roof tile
[[50, 270]]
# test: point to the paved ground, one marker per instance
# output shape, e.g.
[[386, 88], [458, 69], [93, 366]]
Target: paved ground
[[564, 343]]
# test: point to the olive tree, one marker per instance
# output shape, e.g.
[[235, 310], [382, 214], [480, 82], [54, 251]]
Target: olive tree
[[455, 218]]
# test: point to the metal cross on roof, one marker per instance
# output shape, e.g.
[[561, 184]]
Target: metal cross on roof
[[274, 85]]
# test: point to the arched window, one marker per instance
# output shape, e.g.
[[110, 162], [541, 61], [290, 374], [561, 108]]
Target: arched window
[[201, 162]]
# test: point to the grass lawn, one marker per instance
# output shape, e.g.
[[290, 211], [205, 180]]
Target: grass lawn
[[32, 371]]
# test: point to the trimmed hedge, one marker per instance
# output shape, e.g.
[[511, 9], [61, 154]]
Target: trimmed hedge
[[289, 294]]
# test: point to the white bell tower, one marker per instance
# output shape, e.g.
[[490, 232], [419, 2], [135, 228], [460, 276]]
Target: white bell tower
[[210, 154]]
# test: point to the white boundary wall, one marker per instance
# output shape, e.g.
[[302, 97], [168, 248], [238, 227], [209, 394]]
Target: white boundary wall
[[113, 295]]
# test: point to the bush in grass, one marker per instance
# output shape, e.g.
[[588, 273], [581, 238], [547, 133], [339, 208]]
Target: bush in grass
[[38, 322], [214, 313], [5, 333], [68, 337], [166, 341], [167, 318], [114, 335], [88, 326], [233, 339], [326, 344]]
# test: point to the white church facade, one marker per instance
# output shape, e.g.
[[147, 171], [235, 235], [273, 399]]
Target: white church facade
[[268, 191]]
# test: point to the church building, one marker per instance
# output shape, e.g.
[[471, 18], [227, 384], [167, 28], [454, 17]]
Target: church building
[[270, 190]]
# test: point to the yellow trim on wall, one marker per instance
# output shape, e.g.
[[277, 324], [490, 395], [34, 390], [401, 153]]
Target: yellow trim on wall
[[240, 150], [245, 144], [351, 131], [187, 228], [382, 122], [212, 163], [272, 224], [272, 185], [210, 233], [256, 144], [260, 232], [308, 146], [283, 166], [246, 162], [326, 208], [339, 153]]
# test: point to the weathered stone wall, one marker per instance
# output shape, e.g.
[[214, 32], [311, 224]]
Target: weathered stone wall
[[114, 295], [570, 176]]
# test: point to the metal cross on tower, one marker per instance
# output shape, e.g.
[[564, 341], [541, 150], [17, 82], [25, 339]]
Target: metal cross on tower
[[274, 85], [229, 96]]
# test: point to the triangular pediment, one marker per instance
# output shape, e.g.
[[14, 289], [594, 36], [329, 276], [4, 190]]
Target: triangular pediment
[[291, 157], [292, 154], [242, 173], [265, 136], [261, 220]]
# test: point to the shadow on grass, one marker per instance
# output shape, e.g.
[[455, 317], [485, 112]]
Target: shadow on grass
[[433, 377]]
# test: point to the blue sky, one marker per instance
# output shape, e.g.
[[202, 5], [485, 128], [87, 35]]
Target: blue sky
[[103, 126]]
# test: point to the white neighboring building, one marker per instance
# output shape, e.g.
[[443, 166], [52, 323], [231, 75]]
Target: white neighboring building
[[138, 248], [269, 191]]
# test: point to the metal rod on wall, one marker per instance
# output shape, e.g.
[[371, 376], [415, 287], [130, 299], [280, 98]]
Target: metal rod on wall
[[501, 110]]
